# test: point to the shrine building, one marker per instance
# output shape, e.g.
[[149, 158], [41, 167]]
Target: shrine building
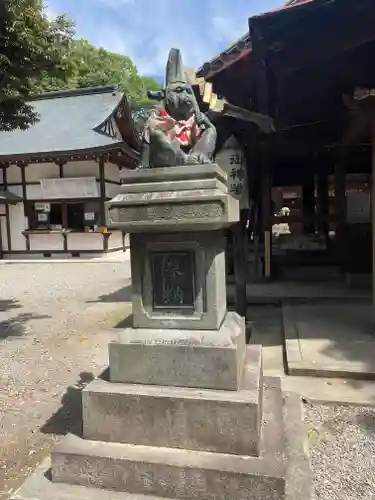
[[56, 176], [305, 65]]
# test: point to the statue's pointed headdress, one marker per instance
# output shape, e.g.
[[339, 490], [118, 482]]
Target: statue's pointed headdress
[[175, 69]]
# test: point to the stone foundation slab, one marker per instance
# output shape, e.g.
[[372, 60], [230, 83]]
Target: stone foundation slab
[[208, 420]]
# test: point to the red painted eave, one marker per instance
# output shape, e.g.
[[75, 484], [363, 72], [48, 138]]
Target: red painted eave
[[283, 8], [226, 64]]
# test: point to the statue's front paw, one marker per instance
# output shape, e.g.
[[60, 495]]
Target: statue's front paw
[[199, 159], [203, 120], [192, 160]]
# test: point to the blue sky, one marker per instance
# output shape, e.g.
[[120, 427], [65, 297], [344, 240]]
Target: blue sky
[[145, 30]]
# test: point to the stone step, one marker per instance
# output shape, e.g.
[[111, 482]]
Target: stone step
[[298, 478], [166, 472], [272, 426], [195, 419], [39, 487]]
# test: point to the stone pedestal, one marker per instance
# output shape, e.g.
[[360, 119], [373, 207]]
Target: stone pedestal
[[178, 280], [185, 413]]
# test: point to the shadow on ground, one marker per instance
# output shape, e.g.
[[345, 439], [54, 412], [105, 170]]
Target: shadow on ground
[[16, 326], [6, 305], [366, 420], [265, 324], [121, 295], [126, 322], [68, 419]]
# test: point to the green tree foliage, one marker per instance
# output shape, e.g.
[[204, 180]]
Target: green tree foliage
[[93, 67], [30, 46], [39, 55]]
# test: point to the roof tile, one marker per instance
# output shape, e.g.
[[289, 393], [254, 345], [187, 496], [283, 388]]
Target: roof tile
[[67, 122]]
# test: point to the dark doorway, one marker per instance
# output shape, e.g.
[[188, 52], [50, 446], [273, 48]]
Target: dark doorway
[[75, 216], [1, 238]]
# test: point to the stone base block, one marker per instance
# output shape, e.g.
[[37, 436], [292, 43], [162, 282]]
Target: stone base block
[[40, 487], [200, 358], [220, 421], [165, 472], [102, 471], [177, 473], [179, 206]]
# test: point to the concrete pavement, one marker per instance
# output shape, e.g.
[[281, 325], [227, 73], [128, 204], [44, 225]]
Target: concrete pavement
[[266, 323], [329, 339]]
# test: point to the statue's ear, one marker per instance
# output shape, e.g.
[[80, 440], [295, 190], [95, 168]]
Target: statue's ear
[[175, 70], [156, 95]]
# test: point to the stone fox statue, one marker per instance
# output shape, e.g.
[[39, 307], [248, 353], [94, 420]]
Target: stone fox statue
[[177, 133]]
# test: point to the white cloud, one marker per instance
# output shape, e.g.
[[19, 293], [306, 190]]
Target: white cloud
[[155, 28], [228, 27], [145, 30], [111, 41]]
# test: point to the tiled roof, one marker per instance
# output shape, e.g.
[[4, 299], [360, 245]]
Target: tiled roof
[[288, 6], [69, 121], [236, 51]]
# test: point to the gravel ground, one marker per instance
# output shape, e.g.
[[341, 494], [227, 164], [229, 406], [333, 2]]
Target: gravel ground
[[54, 333], [342, 448]]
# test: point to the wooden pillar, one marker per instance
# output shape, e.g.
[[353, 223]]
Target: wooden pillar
[[257, 256], [373, 222], [264, 103], [22, 166], [266, 212], [308, 202], [340, 211], [7, 213], [322, 202], [61, 164], [240, 256], [253, 201], [240, 231], [102, 190], [64, 215], [1, 240]]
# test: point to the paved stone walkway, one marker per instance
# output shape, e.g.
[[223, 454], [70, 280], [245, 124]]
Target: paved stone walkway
[[267, 330], [281, 291], [111, 257], [330, 338]]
